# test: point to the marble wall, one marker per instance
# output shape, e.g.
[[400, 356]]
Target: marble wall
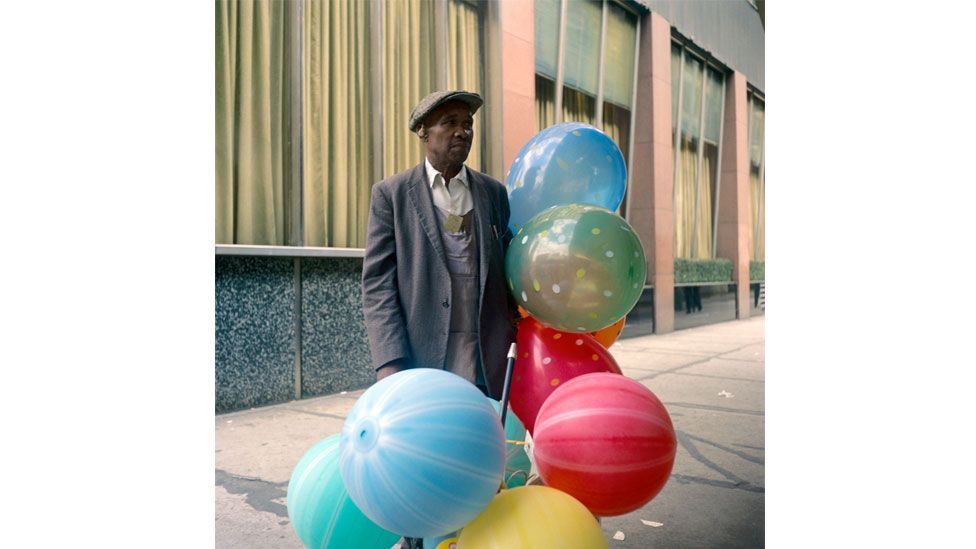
[[335, 351], [255, 335], [257, 331]]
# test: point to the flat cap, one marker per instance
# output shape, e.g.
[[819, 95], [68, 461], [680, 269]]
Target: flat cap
[[437, 99]]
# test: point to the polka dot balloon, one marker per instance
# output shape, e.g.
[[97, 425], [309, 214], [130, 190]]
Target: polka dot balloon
[[577, 267], [546, 360]]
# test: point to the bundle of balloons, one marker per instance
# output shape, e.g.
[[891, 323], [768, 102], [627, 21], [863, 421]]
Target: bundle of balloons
[[422, 453]]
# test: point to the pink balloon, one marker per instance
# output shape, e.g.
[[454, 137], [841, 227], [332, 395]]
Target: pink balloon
[[607, 441]]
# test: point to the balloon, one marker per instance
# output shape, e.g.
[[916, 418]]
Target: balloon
[[608, 336], [533, 516], [564, 164], [547, 358], [422, 452], [606, 440], [517, 463], [320, 509], [577, 268]]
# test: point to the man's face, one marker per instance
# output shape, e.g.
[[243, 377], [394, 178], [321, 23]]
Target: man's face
[[449, 133]]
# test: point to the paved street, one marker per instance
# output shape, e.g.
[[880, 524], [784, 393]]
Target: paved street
[[710, 378]]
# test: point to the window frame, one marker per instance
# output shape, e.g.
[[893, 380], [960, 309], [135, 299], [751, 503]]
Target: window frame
[[624, 208], [687, 47]]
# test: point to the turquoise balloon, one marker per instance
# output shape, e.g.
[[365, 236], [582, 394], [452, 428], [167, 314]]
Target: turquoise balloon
[[517, 464], [576, 268], [569, 163], [422, 452], [320, 509]]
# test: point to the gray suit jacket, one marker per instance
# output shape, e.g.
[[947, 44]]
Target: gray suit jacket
[[406, 283]]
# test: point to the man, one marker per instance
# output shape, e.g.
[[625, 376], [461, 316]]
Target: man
[[434, 292]]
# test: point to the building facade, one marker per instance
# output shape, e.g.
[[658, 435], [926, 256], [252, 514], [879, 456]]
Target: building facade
[[312, 104]]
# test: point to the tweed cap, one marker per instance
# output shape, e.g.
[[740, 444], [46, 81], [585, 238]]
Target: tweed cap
[[437, 99]]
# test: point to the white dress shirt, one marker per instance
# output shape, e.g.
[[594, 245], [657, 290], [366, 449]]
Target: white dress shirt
[[454, 198]]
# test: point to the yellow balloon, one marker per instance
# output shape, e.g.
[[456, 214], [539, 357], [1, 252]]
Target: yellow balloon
[[533, 517]]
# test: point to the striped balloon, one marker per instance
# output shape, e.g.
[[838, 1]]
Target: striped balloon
[[606, 440], [320, 510], [422, 452]]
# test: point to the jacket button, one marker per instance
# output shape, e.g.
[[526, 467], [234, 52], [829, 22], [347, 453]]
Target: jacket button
[[445, 304]]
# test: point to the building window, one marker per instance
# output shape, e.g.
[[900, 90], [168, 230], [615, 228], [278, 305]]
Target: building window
[[757, 177], [301, 84], [697, 102], [591, 89]]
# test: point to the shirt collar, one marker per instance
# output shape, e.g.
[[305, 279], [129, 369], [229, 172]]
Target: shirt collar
[[432, 172]]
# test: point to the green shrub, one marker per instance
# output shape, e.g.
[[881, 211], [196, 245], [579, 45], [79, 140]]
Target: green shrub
[[757, 271], [688, 271]]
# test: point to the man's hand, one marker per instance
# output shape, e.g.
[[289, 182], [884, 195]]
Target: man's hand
[[388, 369]]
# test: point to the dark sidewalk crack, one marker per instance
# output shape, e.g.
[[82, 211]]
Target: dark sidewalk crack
[[258, 493]]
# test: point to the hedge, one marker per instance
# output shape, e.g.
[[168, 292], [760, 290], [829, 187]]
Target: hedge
[[687, 271], [757, 271]]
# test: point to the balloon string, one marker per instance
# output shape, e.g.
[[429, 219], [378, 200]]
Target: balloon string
[[518, 442]]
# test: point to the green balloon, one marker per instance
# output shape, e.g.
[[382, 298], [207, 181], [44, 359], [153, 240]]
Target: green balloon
[[321, 511], [576, 268]]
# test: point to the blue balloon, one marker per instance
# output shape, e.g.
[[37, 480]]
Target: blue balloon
[[422, 452], [319, 507], [569, 163]]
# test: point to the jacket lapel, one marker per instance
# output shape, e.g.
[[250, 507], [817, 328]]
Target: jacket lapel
[[419, 191], [482, 217]]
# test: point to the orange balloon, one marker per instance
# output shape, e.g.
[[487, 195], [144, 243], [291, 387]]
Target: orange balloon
[[609, 335]]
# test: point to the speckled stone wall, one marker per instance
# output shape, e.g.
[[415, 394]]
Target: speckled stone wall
[[255, 335], [335, 351]]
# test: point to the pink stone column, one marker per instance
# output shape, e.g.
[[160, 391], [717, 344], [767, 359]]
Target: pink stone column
[[517, 18], [651, 201], [733, 212]]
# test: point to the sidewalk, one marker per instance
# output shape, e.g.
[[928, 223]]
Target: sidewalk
[[710, 378]]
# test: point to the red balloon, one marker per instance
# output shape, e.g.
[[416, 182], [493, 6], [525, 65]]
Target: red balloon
[[607, 441], [548, 358]]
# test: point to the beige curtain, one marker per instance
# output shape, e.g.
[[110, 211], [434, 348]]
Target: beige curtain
[[757, 229], [685, 189], [703, 240], [464, 65], [616, 124], [337, 143], [408, 72], [761, 220], [756, 234], [252, 122], [578, 107], [611, 126], [545, 103]]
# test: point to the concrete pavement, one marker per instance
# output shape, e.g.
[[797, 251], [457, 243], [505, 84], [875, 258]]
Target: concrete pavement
[[710, 378]]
